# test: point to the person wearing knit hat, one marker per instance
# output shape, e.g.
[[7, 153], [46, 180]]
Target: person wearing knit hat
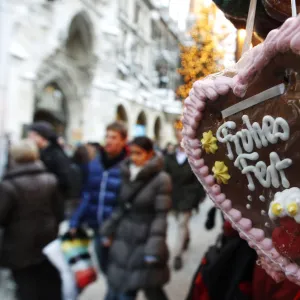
[[44, 130], [51, 154]]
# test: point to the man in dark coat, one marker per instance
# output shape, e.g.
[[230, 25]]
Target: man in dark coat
[[51, 154], [30, 215], [186, 196]]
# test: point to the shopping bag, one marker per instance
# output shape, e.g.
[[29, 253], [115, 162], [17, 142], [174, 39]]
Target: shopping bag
[[76, 252], [55, 255]]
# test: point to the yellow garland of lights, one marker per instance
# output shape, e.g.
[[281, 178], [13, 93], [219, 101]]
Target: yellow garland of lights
[[202, 58], [220, 171]]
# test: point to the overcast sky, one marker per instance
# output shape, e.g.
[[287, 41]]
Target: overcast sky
[[179, 10]]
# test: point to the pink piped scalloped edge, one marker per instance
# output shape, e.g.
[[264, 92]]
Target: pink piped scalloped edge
[[280, 40]]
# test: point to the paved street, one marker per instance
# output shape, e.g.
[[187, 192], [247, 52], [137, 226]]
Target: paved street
[[179, 285]]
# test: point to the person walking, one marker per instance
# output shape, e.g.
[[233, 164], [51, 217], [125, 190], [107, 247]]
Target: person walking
[[137, 229], [29, 214], [101, 184], [51, 153], [84, 156], [186, 196], [170, 149]]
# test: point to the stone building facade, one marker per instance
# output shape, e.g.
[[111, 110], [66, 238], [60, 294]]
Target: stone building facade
[[82, 63]]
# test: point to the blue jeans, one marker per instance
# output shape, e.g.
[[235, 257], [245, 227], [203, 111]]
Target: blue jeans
[[113, 295], [102, 253]]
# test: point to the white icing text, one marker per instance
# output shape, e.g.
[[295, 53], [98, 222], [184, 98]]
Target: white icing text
[[271, 131]]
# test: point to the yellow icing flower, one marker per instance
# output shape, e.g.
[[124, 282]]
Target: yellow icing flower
[[292, 209], [221, 172], [209, 142], [276, 209]]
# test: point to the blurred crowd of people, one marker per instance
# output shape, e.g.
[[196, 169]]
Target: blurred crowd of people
[[122, 192]]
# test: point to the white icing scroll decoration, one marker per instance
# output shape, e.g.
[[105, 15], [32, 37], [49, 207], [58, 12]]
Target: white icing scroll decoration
[[254, 100], [257, 136]]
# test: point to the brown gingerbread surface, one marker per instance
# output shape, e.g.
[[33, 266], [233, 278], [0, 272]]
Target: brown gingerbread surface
[[286, 106]]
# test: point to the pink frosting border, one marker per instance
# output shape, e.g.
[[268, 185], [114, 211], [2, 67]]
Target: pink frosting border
[[278, 41]]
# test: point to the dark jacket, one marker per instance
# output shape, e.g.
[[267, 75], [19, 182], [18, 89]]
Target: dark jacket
[[30, 212], [57, 163], [141, 232], [100, 190], [227, 265], [247, 281], [187, 191]]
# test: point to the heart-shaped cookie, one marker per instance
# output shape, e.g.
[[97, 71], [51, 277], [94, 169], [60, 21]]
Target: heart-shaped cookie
[[279, 10], [242, 136]]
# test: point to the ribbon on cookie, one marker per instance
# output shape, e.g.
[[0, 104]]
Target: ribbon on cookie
[[294, 8], [249, 26], [274, 91]]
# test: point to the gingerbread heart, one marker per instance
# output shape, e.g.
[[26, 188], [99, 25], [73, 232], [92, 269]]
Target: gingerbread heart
[[242, 136], [279, 10]]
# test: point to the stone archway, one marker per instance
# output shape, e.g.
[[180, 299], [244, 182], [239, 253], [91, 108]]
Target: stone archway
[[141, 124], [51, 106], [57, 101], [64, 79], [79, 44], [121, 114], [142, 119]]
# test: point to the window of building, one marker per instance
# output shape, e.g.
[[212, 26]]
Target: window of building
[[137, 12], [123, 40], [121, 75], [123, 7], [79, 43], [121, 114], [141, 56], [156, 32], [162, 72]]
